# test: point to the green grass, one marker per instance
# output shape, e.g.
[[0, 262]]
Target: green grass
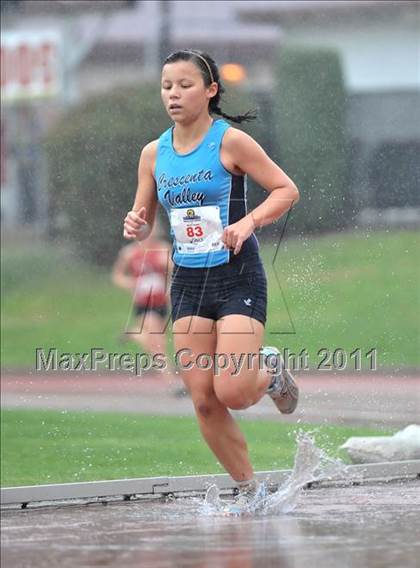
[[50, 299], [41, 447], [349, 291]]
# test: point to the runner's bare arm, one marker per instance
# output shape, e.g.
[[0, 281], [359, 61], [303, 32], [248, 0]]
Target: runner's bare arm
[[248, 156], [139, 221], [120, 276], [241, 154]]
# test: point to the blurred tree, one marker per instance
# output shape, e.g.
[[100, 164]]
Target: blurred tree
[[310, 113], [93, 156]]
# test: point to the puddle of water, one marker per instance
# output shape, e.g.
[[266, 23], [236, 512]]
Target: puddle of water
[[311, 464]]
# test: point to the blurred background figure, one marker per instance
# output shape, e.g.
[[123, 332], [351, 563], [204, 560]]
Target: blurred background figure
[[143, 269]]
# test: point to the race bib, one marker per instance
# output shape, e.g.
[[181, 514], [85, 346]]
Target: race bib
[[197, 229]]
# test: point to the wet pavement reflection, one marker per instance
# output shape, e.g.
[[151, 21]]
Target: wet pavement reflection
[[371, 525]]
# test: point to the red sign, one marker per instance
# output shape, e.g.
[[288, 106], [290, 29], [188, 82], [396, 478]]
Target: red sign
[[30, 65]]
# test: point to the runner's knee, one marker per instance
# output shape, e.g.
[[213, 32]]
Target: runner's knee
[[203, 409], [235, 399], [206, 404]]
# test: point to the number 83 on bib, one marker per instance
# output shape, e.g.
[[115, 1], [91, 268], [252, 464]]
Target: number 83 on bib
[[197, 229]]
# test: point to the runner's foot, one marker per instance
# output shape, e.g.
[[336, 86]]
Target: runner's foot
[[283, 389], [250, 499]]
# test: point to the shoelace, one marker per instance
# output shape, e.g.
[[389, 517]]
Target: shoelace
[[278, 385], [244, 498]]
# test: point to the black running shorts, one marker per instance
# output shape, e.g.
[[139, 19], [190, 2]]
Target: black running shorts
[[234, 288], [161, 311]]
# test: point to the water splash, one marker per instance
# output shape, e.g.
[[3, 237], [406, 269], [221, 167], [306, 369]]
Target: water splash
[[311, 464]]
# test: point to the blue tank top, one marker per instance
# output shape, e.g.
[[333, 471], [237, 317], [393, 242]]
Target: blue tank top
[[196, 190]]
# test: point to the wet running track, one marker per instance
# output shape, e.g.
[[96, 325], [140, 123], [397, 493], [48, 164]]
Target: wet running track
[[372, 400], [372, 525]]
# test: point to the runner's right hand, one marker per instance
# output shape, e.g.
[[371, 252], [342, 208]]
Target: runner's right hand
[[135, 224]]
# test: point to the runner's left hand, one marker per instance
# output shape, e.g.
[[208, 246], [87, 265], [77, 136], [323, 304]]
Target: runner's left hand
[[234, 235]]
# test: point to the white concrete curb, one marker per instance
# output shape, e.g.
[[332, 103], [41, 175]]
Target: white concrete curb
[[125, 489]]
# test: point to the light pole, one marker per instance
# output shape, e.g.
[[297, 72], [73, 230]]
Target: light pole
[[165, 29]]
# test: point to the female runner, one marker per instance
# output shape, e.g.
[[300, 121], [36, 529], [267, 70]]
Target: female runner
[[196, 170]]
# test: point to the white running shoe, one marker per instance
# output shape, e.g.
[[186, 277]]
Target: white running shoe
[[283, 389], [248, 501]]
